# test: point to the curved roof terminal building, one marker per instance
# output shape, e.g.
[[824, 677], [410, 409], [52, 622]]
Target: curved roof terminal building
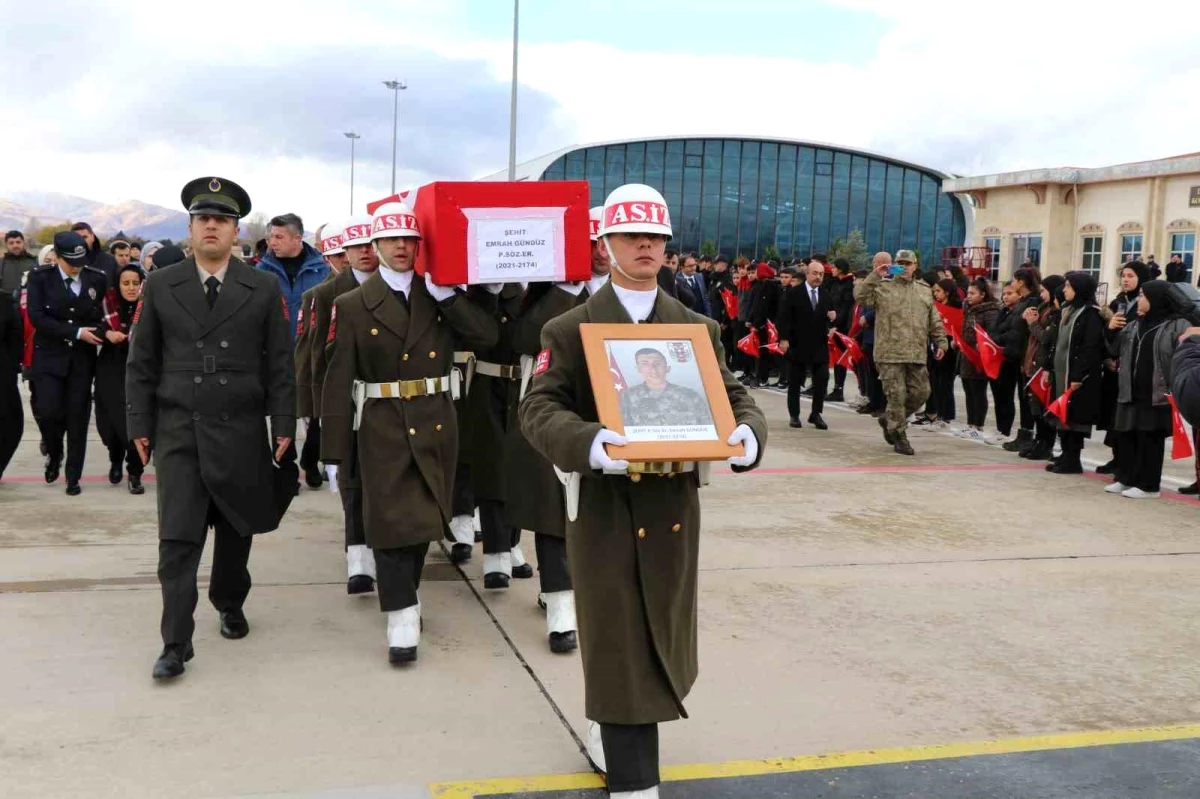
[[745, 194]]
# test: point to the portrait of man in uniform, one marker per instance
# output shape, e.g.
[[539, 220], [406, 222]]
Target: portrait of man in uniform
[[666, 401]]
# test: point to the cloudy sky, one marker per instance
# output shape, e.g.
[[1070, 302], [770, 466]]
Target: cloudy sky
[[128, 99]]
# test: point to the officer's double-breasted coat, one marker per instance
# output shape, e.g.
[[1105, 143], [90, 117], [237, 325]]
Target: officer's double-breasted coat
[[406, 448], [321, 350], [200, 383], [485, 412], [633, 550]]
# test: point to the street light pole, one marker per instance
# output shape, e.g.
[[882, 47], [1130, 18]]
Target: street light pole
[[396, 87], [512, 114], [352, 136]]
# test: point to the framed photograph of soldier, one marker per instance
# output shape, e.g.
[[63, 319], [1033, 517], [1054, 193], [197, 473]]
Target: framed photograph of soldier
[[661, 388]]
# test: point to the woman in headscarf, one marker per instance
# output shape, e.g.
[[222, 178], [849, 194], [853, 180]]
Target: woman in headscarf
[[148, 255], [120, 304], [1124, 307], [1043, 324], [1076, 361], [1145, 346]]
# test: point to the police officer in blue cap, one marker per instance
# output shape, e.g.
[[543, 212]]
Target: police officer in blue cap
[[210, 359], [65, 304]]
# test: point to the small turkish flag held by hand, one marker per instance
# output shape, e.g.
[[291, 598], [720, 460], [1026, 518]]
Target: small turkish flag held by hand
[[1181, 434], [1059, 407], [1039, 386], [835, 352], [731, 303], [989, 353], [750, 344], [854, 353], [952, 319], [773, 339]]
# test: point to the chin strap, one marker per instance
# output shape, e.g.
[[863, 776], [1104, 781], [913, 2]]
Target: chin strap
[[613, 261]]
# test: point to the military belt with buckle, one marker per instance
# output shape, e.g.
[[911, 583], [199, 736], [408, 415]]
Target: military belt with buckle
[[403, 390], [502, 370]]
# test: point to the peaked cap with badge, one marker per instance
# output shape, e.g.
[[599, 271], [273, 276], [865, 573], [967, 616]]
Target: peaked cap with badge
[[215, 197]]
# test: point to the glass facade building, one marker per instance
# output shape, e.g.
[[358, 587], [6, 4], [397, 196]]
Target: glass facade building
[[747, 194]]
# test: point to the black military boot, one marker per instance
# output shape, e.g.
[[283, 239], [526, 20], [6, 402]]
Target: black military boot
[[901, 444], [888, 436], [1018, 443]]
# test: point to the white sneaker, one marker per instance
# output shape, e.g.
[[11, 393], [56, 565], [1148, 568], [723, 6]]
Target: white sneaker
[[1137, 493], [595, 747], [649, 793], [974, 435], [959, 432], [939, 427], [1115, 488], [996, 439]]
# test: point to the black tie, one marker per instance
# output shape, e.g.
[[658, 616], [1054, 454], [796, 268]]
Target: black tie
[[212, 285], [68, 283]]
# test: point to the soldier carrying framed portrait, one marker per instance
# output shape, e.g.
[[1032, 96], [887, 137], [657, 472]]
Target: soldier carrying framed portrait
[[661, 388]]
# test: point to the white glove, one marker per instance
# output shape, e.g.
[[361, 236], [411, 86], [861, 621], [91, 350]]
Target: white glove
[[302, 426], [743, 435], [574, 289], [331, 472], [440, 293], [494, 288], [598, 458]]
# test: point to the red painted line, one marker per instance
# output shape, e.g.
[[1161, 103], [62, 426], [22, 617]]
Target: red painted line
[[899, 469], [62, 483]]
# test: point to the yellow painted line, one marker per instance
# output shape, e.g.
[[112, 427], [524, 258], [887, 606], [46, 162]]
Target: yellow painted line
[[868, 757]]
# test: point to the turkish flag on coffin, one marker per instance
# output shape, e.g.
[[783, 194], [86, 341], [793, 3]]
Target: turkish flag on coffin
[[1181, 434], [496, 231]]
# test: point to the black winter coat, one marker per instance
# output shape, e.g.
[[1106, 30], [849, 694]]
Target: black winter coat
[[803, 327], [1085, 364], [764, 302], [1185, 386]]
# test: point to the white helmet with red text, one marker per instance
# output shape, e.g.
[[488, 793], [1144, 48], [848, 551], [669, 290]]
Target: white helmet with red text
[[331, 239], [393, 221], [635, 208], [595, 218], [357, 232]]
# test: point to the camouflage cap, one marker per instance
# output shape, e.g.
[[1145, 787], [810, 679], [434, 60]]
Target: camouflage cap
[[906, 257]]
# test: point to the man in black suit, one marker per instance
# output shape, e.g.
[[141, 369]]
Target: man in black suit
[[690, 281], [65, 305], [805, 316]]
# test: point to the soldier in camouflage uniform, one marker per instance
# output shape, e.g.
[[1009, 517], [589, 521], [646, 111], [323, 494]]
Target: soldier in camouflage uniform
[[657, 402], [906, 321]]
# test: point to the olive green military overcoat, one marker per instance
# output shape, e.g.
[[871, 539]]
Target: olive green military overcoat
[[406, 448], [533, 493], [485, 412], [305, 408], [633, 551], [319, 354], [200, 383]]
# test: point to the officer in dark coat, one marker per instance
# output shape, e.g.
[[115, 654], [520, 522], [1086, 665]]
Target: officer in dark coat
[[210, 358], [65, 308]]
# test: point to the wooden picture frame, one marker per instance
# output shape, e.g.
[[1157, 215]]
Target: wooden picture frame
[[688, 419]]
